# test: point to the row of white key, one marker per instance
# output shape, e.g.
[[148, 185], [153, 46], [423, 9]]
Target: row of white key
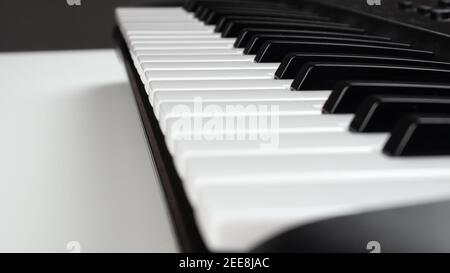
[[242, 190]]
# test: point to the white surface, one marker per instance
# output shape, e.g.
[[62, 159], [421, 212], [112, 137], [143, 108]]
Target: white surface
[[74, 162]]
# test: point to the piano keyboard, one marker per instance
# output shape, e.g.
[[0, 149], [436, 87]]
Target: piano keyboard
[[276, 116]]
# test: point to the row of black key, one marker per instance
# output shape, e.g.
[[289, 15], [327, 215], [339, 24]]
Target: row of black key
[[382, 81]]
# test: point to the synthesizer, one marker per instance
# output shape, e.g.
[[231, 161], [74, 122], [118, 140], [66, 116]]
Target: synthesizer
[[266, 116]]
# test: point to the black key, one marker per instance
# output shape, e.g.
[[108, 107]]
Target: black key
[[324, 76], [292, 63], [232, 29], [247, 11], [246, 35], [406, 5], [275, 51], [348, 95], [420, 135], [258, 40], [216, 14], [424, 10], [440, 14], [379, 113], [192, 5], [202, 11], [235, 4], [227, 19], [444, 3]]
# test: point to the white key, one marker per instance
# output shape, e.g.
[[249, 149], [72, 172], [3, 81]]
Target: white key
[[153, 16], [250, 127], [316, 169], [172, 46], [164, 66], [193, 25], [182, 44], [237, 95], [211, 85], [156, 19], [237, 219], [199, 108], [182, 36], [160, 28], [147, 11], [173, 30], [212, 40], [160, 52], [196, 58], [185, 75], [284, 143]]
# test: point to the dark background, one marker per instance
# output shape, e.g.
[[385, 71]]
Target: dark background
[[53, 24]]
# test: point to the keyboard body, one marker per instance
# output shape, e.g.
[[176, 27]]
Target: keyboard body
[[389, 19]]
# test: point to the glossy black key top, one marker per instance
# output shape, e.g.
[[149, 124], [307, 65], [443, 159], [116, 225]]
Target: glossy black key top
[[424, 10], [211, 12], [420, 135], [379, 113], [198, 10], [444, 3], [202, 11], [291, 64], [406, 5], [324, 76], [274, 20], [192, 5], [258, 40], [247, 33], [275, 51], [348, 95], [216, 14], [440, 14], [233, 28]]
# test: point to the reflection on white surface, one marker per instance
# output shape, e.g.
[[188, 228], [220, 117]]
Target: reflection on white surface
[[74, 164]]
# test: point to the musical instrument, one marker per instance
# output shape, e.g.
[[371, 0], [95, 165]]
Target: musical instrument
[[264, 116]]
